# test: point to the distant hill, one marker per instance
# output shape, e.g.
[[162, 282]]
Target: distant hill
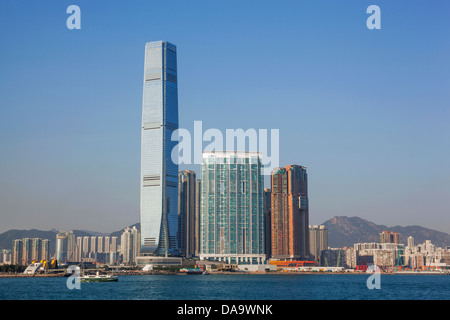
[[346, 231]]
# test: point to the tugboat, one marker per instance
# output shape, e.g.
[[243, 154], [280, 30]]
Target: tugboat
[[99, 278]]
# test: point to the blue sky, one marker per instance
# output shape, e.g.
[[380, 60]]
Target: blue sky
[[366, 111]]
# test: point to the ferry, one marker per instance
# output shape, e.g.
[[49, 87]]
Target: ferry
[[99, 278], [193, 271]]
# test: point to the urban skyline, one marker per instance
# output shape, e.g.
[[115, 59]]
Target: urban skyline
[[364, 133]]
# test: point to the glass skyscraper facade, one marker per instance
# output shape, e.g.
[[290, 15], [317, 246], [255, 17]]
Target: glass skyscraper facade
[[159, 174], [232, 208]]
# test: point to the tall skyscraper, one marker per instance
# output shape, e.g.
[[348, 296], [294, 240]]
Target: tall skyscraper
[[232, 212], [159, 174], [186, 210], [290, 216]]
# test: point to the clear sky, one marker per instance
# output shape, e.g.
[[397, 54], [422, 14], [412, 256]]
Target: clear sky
[[366, 111]]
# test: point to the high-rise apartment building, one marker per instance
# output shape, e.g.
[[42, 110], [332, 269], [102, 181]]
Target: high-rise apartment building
[[232, 211], [86, 246], [79, 249], [129, 245], [93, 250], [61, 248], [318, 240], [290, 216], [107, 244], [27, 250], [198, 194], [268, 222], [411, 242], [389, 237], [186, 211], [16, 255], [159, 174]]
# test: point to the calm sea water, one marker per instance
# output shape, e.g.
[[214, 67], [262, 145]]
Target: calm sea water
[[232, 287]]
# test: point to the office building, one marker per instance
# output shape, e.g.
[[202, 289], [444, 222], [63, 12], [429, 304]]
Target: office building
[[159, 174], [232, 208], [290, 216]]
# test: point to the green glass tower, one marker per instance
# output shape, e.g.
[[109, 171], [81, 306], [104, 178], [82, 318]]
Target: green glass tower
[[232, 208]]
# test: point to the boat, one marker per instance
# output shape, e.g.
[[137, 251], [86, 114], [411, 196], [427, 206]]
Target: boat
[[98, 278], [193, 271]]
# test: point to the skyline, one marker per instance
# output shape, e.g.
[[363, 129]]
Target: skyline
[[349, 103]]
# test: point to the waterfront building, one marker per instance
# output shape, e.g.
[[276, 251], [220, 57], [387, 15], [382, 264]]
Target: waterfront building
[[159, 174], [198, 194], [100, 244], [318, 240], [86, 246], [232, 208], [17, 251], [79, 249], [268, 222], [61, 248], [129, 245], [5, 256], [93, 246], [333, 257], [71, 246], [186, 212], [26, 250], [114, 246], [290, 213], [107, 242], [35, 249]]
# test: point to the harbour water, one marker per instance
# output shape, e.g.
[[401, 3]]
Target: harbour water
[[232, 287]]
